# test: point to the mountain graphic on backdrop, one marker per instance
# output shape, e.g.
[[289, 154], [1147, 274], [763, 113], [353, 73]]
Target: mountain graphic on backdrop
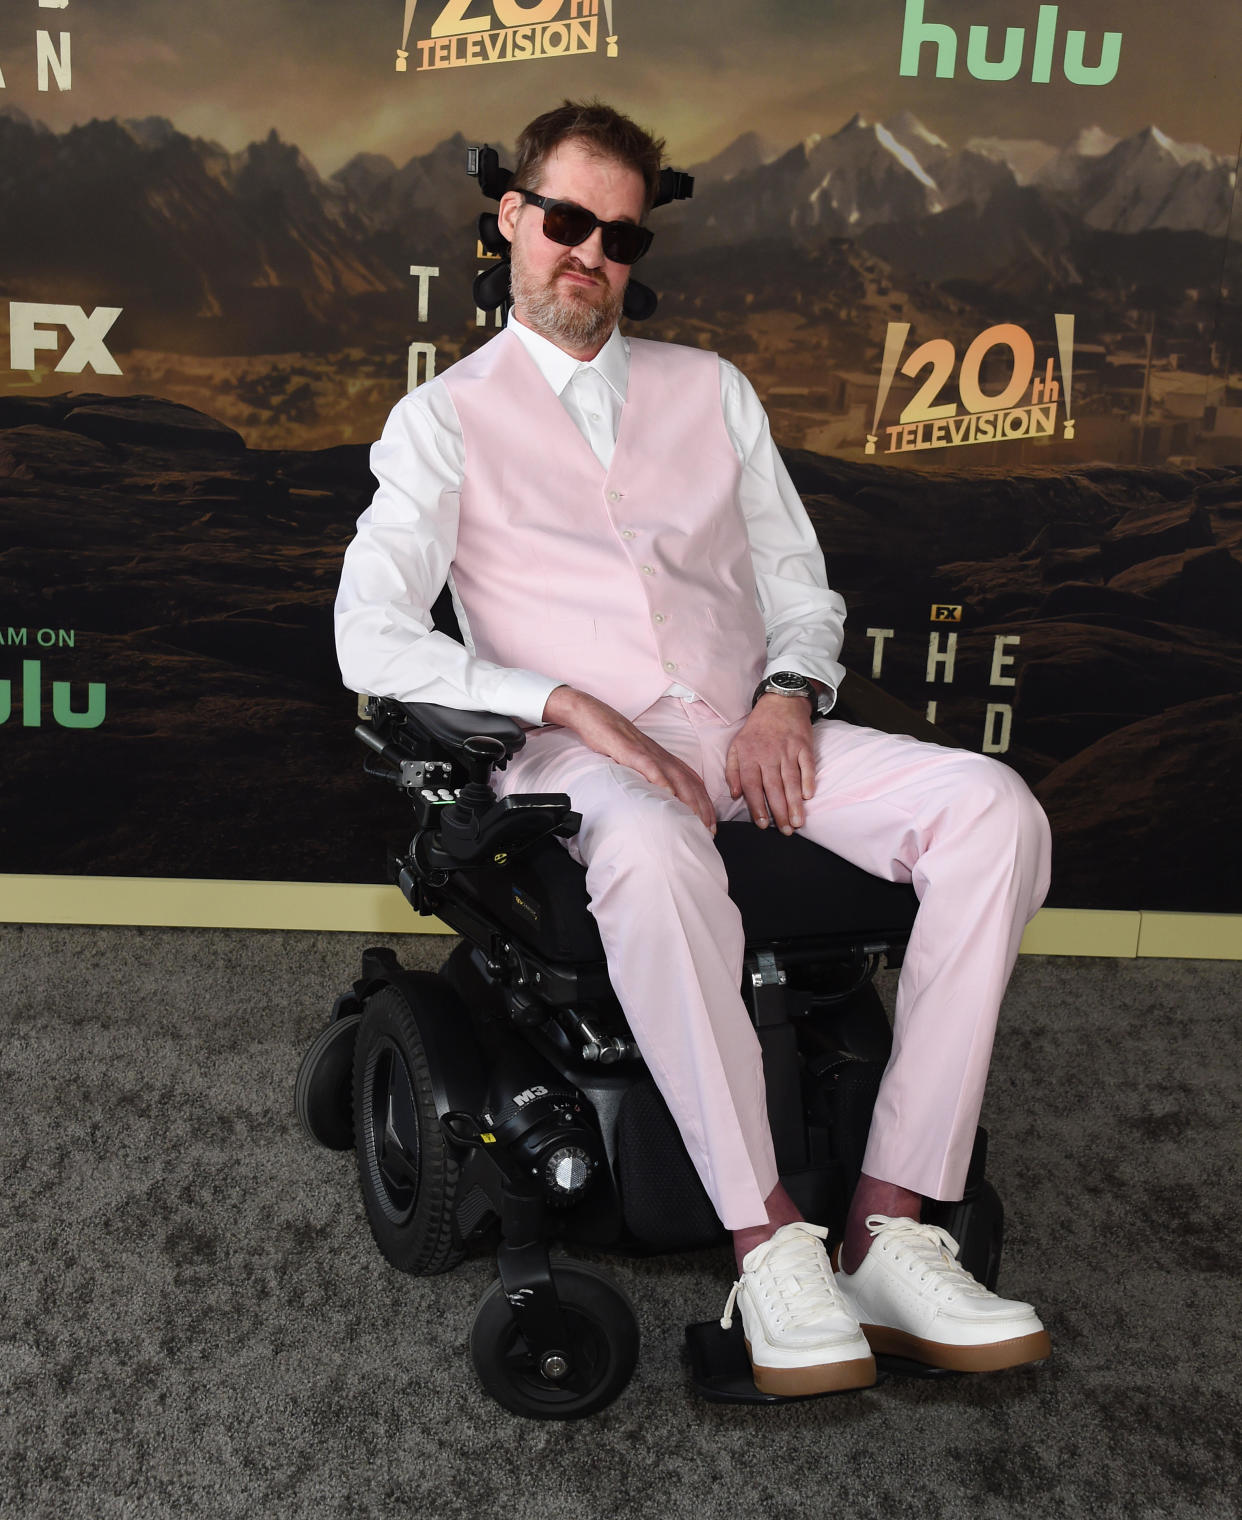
[[211, 251], [255, 251], [870, 174]]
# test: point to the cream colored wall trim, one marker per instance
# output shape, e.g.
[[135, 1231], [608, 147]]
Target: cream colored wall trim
[[1192, 936], [1082, 931], [183, 903], [178, 903]]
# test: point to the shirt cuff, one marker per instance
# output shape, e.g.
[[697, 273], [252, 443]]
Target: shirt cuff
[[523, 694]]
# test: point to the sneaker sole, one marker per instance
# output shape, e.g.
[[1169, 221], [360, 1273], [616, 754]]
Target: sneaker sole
[[825, 1377], [1021, 1351]]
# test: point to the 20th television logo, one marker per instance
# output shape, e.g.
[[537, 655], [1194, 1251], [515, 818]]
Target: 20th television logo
[[1025, 404], [465, 32]]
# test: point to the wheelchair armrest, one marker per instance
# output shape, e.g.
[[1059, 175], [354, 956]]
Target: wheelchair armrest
[[449, 727]]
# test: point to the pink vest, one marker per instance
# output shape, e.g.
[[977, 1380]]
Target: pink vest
[[620, 582]]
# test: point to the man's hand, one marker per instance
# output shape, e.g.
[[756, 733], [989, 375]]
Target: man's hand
[[604, 730], [772, 762]]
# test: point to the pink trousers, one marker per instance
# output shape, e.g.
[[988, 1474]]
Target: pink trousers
[[961, 827]]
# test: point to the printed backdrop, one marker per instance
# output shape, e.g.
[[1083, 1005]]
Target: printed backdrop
[[978, 260]]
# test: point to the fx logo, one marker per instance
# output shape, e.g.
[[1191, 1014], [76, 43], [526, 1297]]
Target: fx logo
[[946, 612], [35, 325]]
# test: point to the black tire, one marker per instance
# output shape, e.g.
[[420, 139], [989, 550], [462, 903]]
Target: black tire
[[323, 1095], [408, 1173], [603, 1347]]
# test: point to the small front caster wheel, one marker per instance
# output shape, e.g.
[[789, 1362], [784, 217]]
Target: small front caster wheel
[[575, 1380], [323, 1093]]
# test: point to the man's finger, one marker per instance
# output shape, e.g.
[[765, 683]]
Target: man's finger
[[774, 788], [752, 789], [791, 781], [650, 770], [732, 773], [687, 787], [695, 796], [697, 801], [806, 765]]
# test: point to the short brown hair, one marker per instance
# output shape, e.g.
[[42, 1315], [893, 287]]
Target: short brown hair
[[604, 131]]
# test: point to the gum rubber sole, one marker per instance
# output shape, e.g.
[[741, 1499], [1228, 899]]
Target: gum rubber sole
[[1021, 1351], [826, 1377]]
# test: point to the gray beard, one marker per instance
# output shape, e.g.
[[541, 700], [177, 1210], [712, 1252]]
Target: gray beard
[[563, 319]]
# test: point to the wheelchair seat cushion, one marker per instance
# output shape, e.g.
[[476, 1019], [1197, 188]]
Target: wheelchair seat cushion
[[785, 888]]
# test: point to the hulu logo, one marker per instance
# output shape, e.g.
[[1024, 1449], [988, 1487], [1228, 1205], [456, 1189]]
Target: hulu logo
[[62, 711], [916, 33]]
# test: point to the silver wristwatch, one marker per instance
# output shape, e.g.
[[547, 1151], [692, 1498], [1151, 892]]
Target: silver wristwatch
[[787, 683]]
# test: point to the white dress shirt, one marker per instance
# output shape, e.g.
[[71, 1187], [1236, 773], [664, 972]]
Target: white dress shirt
[[401, 555]]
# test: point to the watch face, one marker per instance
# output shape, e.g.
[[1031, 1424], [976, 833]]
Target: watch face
[[788, 680]]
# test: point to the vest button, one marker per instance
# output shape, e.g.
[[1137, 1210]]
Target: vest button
[[658, 618], [614, 496], [627, 533], [648, 569], [670, 664]]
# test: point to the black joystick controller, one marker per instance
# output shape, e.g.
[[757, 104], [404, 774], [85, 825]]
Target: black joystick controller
[[479, 754], [477, 828], [460, 824]]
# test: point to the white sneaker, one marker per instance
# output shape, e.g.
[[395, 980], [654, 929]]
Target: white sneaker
[[913, 1298], [800, 1336]]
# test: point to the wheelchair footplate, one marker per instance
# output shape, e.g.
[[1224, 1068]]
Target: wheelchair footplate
[[720, 1367]]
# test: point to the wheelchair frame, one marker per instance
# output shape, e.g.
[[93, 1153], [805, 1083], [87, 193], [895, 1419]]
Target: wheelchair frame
[[491, 1100]]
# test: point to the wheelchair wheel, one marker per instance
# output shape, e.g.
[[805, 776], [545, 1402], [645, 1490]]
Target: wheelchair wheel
[[407, 1171], [603, 1347], [323, 1093]]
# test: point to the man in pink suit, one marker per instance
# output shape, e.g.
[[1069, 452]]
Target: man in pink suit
[[637, 580]]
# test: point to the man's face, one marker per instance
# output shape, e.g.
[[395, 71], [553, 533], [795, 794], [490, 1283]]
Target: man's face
[[572, 296]]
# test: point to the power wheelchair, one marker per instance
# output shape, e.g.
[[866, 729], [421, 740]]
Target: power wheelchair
[[503, 1099]]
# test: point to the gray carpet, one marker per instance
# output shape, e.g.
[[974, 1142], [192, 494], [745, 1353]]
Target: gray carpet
[[195, 1322]]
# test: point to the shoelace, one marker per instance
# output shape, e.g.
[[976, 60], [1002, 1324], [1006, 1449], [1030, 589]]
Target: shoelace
[[932, 1247], [803, 1283]]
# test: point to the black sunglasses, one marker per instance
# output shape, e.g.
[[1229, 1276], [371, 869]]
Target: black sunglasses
[[564, 222]]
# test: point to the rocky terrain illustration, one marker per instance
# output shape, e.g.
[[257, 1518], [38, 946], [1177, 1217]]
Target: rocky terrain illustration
[[197, 576]]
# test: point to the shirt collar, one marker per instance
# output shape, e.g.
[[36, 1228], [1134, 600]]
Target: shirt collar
[[558, 368]]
